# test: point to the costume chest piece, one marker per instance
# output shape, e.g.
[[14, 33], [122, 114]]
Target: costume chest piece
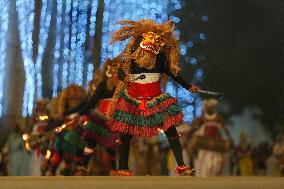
[[149, 77]]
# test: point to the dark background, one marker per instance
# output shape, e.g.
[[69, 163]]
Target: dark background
[[244, 54]]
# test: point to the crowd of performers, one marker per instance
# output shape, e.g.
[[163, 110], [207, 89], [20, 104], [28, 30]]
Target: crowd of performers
[[125, 105], [69, 127]]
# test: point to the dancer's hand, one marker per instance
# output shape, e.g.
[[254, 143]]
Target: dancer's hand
[[194, 89]]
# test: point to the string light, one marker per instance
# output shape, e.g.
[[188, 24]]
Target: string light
[[73, 45], [4, 4], [198, 76], [81, 38], [202, 36], [93, 18], [25, 10], [55, 79], [57, 48], [66, 51], [90, 72]]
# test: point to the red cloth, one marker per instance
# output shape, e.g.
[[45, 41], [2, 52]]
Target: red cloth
[[104, 105], [144, 91], [211, 131]]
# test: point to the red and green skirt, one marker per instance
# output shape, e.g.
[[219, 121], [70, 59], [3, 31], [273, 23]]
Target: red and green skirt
[[158, 113], [96, 128]]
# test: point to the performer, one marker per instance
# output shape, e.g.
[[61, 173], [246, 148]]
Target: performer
[[142, 108], [276, 162], [67, 141], [36, 140], [208, 129], [95, 107], [55, 120], [244, 155]]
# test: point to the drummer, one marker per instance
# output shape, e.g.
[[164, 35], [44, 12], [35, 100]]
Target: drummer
[[209, 126]]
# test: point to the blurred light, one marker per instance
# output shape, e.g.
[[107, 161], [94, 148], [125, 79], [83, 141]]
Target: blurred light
[[25, 137], [93, 18], [60, 129], [198, 75], [81, 38], [188, 113], [174, 19], [177, 6], [171, 89], [57, 49], [55, 79], [202, 36], [177, 33], [25, 10], [74, 26], [192, 60], [183, 49], [161, 130], [204, 18], [27, 146], [189, 44], [43, 118], [4, 4], [48, 154], [90, 72]]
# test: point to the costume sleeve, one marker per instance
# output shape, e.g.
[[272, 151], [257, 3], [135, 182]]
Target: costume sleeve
[[120, 74], [76, 109], [93, 100], [53, 123], [177, 78]]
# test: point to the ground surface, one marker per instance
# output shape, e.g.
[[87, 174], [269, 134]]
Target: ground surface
[[141, 182]]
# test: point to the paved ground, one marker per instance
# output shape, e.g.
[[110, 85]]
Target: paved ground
[[141, 182]]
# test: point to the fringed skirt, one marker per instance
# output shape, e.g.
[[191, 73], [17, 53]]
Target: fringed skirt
[[96, 129], [158, 113]]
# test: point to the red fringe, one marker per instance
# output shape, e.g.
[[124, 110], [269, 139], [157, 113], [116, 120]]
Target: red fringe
[[128, 107], [135, 130]]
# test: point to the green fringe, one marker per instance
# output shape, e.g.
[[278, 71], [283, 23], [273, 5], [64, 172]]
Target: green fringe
[[148, 121], [174, 109], [73, 138], [93, 127], [123, 95], [158, 100], [139, 120]]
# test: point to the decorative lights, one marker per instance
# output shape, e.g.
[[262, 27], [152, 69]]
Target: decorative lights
[[4, 4]]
